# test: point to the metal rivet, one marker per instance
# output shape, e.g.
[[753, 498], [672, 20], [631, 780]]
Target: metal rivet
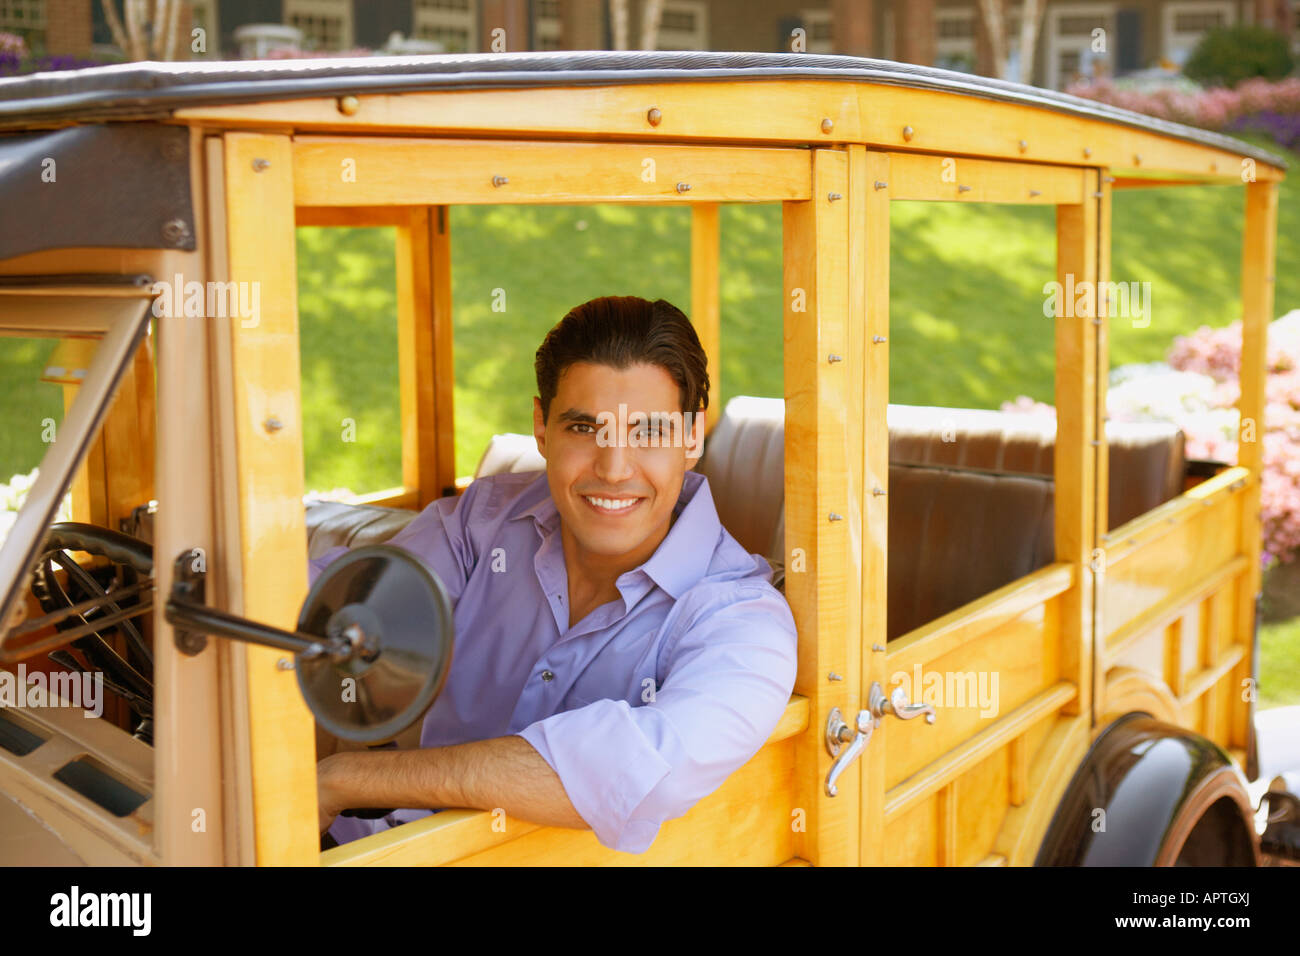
[[348, 105], [834, 358], [1137, 159], [834, 517], [878, 339], [284, 664], [878, 491], [499, 180], [878, 648], [1035, 192], [175, 231], [273, 424], [831, 197], [833, 676], [548, 676], [683, 187], [261, 164], [827, 125], [1087, 151], [654, 117], [962, 189], [908, 133], [1024, 145], [880, 184]]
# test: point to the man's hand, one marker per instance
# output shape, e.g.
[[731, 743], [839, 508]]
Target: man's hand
[[504, 773]]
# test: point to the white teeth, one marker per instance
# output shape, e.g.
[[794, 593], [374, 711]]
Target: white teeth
[[612, 504]]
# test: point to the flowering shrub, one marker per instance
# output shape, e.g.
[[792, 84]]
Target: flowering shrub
[[1198, 391], [15, 58], [14, 494], [1271, 107]]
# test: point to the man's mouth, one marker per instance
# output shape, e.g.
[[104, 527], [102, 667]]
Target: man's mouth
[[611, 506]]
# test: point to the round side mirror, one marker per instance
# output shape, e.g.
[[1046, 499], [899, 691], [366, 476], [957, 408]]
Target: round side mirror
[[395, 615]]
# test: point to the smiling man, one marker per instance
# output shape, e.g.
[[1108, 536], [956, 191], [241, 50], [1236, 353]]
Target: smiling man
[[617, 654]]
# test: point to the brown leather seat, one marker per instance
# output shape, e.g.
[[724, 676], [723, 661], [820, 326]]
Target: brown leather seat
[[331, 523], [958, 534], [1146, 458]]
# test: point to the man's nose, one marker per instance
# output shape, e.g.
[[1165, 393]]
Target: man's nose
[[614, 461]]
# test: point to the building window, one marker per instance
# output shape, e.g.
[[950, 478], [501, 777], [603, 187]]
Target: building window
[[954, 38], [326, 25], [26, 18], [546, 24], [817, 26], [1186, 22], [684, 25], [453, 23], [1071, 38]]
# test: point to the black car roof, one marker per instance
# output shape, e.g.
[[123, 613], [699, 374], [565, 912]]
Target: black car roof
[[151, 90]]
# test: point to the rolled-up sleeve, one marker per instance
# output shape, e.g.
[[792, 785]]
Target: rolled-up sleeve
[[627, 769]]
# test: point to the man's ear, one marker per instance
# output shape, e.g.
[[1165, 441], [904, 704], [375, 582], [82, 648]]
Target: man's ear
[[695, 442], [539, 426]]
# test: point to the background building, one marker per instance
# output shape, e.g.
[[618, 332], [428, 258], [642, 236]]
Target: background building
[[1134, 34]]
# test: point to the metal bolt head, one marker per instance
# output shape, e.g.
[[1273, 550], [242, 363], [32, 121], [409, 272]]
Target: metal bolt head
[[272, 424], [1137, 159], [908, 133], [1023, 144], [683, 187], [499, 181], [349, 105], [827, 125], [654, 117], [831, 197], [1087, 151], [175, 231], [261, 164]]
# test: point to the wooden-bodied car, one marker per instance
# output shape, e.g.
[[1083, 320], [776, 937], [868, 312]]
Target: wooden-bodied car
[[1004, 628]]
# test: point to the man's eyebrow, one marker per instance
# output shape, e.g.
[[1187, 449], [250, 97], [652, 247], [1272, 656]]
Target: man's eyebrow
[[574, 415]]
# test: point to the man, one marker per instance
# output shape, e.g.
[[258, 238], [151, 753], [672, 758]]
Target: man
[[617, 653]]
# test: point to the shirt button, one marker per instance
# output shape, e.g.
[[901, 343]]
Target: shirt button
[[547, 676]]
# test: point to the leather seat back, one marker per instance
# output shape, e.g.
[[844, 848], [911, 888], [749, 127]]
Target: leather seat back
[[1146, 458], [958, 534], [331, 523], [744, 461]]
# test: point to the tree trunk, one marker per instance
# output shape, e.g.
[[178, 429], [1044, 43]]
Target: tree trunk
[[1031, 20], [995, 27], [618, 23], [650, 24]]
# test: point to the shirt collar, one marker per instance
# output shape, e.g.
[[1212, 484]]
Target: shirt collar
[[683, 557]]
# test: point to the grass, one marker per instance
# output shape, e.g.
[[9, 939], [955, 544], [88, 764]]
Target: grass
[[967, 327]]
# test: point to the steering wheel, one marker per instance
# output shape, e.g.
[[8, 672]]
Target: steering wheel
[[92, 604]]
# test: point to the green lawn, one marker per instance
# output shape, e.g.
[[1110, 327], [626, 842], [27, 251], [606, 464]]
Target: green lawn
[[967, 326]]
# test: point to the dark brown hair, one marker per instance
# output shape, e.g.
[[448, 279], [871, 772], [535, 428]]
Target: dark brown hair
[[621, 331]]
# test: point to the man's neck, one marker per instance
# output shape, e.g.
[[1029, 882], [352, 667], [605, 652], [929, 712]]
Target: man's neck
[[593, 578]]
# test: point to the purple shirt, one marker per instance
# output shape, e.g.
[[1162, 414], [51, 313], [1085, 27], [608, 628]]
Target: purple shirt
[[641, 708]]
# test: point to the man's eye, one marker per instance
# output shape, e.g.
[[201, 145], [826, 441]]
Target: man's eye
[[577, 427]]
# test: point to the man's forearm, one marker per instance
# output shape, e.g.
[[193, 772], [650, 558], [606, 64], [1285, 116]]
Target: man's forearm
[[504, 773]]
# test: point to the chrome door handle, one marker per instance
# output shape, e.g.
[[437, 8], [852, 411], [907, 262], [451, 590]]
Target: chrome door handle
[[897, 704], [838, 733]]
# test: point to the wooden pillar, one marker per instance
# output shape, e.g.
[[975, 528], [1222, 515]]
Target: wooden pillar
[[705, 307], [1078, 427], [853, 27], [1258, 254], [869, 307], [823, 493], [269, 463], [424, 344], [914, 31]]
